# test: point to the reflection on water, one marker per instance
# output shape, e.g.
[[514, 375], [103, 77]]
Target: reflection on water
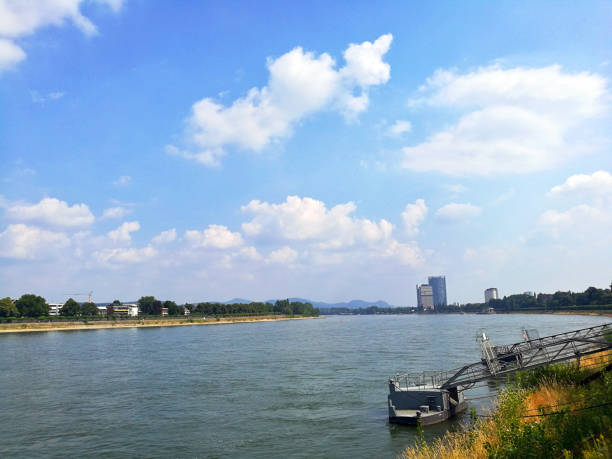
[[307, 388]]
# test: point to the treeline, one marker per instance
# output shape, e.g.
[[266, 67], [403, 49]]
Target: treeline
[[30, 305], [35, 306], [368, 311], [591, 299], [285, 307]]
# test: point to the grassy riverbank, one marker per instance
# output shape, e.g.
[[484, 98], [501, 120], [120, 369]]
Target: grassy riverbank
[[133, 323], [558, 411]]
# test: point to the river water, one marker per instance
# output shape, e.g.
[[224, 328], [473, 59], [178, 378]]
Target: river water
[[302, 388]]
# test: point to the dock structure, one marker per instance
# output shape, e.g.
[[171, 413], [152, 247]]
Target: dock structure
[[435, 396]]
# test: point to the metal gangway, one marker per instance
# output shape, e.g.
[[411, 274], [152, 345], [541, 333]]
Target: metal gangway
[[530, 353]]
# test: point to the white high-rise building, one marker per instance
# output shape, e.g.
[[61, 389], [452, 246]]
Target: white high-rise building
[[425, 297], [491, 294]]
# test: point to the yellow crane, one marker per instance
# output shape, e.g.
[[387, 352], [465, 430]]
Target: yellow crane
[[82, 294]]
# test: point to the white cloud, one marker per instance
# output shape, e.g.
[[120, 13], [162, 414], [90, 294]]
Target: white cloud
[[122, 233], [19, 18], [597, 184], [576, 215], [309, 219], [457, 212], [124, 180], [215, 236], [29, 242], [284, 255], [115, 212], [413, 215], [300, 84], [165, 237], [41, 99], [120, 256], [456, 189], [399, 128], [515, 120], [10, 54], [51, 211], [331, 236]]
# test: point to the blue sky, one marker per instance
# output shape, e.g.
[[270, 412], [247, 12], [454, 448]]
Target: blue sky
[[329, 150]]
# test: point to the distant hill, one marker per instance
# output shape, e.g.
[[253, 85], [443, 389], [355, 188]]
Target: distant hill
[[353, 304]]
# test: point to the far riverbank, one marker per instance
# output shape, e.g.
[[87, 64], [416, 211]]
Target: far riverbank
[[136, 323]]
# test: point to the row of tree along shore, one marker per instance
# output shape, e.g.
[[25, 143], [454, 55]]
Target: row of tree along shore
[[592, 299], [30, 306]]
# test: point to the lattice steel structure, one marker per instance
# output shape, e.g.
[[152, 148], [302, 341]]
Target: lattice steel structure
[[533, 352]]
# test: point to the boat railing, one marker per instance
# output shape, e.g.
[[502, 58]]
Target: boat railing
[[425, 379]]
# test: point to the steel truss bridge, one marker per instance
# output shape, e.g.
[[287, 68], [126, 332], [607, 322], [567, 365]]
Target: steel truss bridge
[[531, 353]]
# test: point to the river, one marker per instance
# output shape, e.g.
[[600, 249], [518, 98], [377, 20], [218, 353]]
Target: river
[[303, 388]]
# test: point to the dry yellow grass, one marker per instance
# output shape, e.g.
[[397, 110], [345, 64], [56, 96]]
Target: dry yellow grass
[[548, 396], [62, 326]]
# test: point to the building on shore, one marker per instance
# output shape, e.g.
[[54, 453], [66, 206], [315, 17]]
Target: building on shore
[[55, 309], [491, 294], [425, 297], [122, 310], [438, 285]]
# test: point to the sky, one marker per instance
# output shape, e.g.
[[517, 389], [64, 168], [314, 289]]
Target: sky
[[202, 151]]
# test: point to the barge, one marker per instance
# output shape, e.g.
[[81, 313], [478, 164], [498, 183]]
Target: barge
[[414, 398]]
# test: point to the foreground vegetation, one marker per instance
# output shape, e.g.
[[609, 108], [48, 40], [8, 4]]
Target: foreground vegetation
[[560, 411]]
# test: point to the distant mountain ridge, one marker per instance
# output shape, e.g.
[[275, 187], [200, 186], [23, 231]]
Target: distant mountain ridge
[[353, 304]]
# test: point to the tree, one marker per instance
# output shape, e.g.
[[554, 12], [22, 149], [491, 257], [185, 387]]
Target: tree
[[149, 305], [116, 303], [89, 309], [71, 308], [31, 305], [190, 307], [8, 308], [173, 309]]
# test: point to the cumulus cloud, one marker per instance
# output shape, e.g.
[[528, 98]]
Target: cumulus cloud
[[399, 128], [29, 242], [51, 211], [413, 215], [586, 221], [597, 184], [10, 54], [285, 255], [19, 18], [122, 233], [165, 237], [115, 212], [119, 256], [330, 236], [513, 120], [300, 84], [309, 219], [457, 212], [215, 236]]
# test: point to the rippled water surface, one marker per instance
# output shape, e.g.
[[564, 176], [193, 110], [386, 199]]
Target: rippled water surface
[[303, 388]]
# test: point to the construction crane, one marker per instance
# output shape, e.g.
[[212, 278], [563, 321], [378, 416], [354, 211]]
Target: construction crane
[[88, 295]]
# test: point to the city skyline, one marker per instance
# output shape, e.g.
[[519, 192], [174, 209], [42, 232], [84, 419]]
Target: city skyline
[[258, 151]]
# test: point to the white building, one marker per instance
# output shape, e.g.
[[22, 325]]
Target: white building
[[491, 294], [55, 309], [425, 297], [102, 310], [132, 310]]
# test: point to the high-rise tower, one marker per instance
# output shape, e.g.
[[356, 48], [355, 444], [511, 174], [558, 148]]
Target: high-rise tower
[[438, 285], [425, 297]]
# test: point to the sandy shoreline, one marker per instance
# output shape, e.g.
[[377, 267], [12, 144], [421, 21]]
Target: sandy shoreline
[[79, 325]]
